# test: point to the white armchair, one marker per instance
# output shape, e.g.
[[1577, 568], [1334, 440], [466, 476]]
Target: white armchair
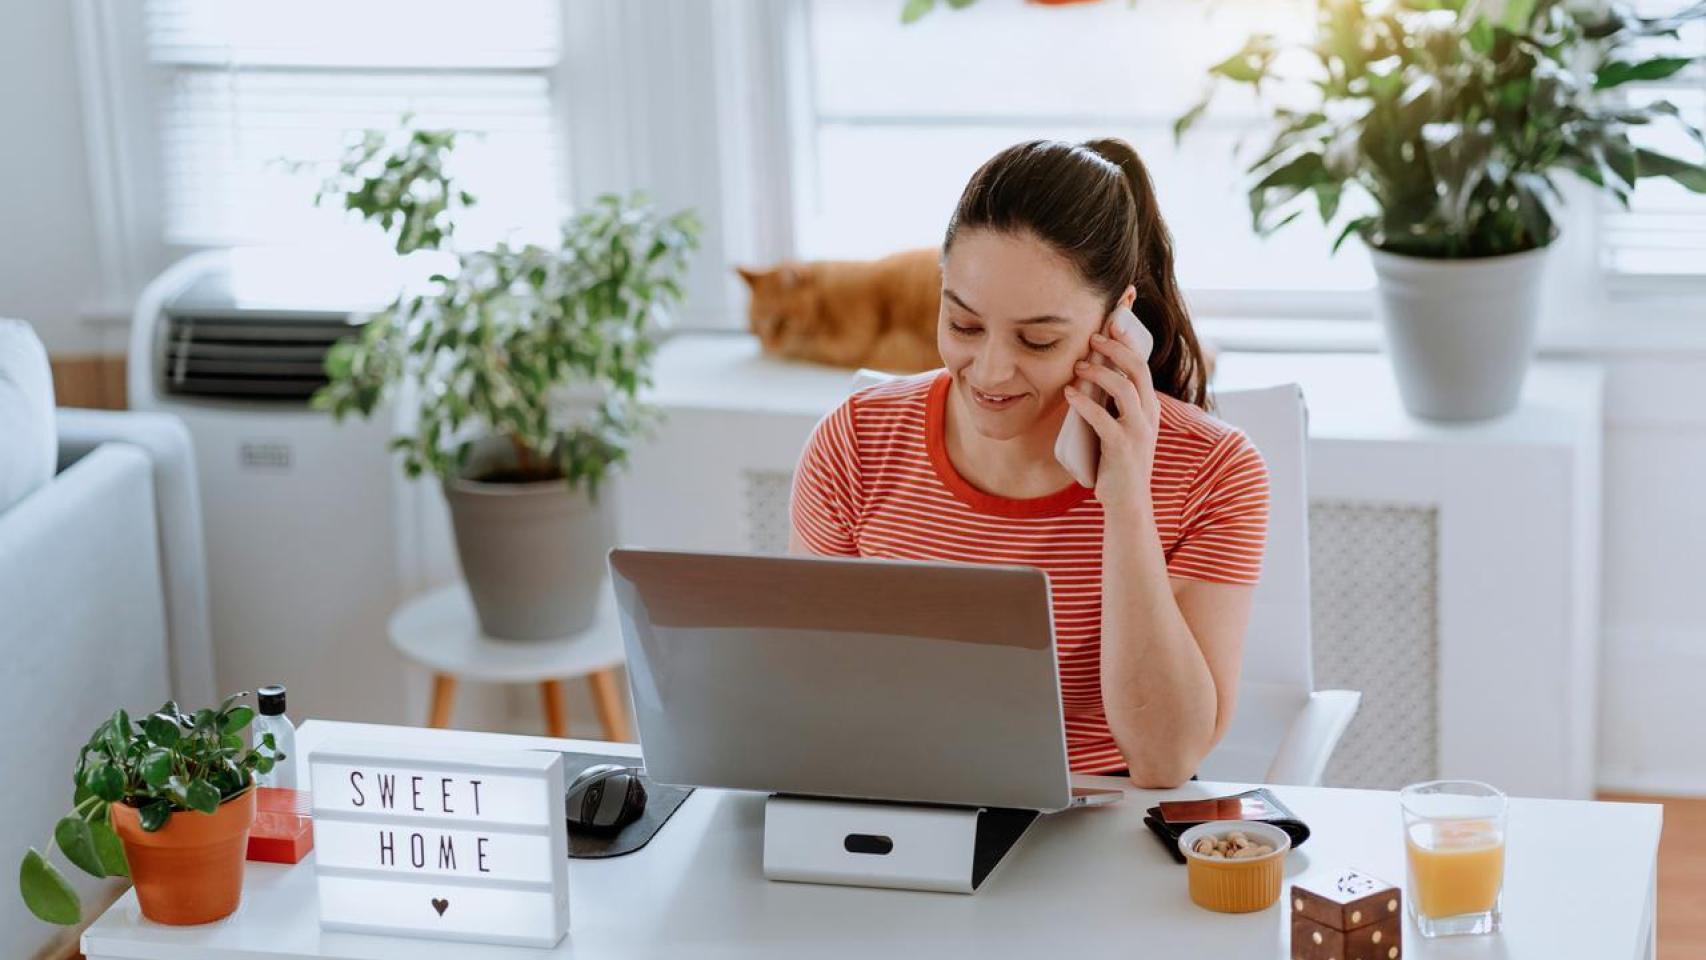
[[1284, 730], [102, 593]]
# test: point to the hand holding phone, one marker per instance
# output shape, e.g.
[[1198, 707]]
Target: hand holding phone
[[1077, 447]]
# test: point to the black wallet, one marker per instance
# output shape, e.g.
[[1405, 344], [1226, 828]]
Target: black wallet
[[1169, 820]]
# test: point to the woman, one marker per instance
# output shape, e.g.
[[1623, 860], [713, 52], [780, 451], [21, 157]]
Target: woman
[[1152, 572]]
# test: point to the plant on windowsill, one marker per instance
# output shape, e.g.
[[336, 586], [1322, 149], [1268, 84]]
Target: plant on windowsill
[[1433, 130], [168, 802], [521, 372]]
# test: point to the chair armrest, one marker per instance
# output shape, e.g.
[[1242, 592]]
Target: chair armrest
[[177, 500], [82, 631], [1312, 737]]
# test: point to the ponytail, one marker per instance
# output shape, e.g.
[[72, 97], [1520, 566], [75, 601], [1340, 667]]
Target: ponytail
[[1177, 358]]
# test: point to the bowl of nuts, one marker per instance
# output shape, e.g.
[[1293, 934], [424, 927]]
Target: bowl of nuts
[[1235, 866]]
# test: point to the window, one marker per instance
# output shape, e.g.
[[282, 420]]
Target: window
[[891, 120], [1663, 233], [249, 89]]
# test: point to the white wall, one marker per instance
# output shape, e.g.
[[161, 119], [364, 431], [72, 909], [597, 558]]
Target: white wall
[[49, 268], [1653, 651]]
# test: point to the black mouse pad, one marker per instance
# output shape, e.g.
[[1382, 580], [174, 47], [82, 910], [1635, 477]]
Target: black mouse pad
[[661, 802]]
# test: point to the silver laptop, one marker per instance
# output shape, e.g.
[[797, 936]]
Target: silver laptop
[[872, 679]]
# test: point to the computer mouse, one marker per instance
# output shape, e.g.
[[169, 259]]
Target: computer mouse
[[604, 798]]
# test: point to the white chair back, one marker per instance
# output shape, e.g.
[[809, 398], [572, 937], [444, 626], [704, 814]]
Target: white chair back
[[1278, 675]]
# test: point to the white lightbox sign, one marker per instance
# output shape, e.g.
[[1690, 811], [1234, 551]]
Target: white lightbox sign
[[450, 844]]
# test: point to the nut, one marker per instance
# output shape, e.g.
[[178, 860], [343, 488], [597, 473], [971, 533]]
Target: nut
[[1236, 845]]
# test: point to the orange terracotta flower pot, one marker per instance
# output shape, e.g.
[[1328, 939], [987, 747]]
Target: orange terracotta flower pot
[[191, 870]]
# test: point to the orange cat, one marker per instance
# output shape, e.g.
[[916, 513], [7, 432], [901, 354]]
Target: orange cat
[[859, 313], [851, 313]]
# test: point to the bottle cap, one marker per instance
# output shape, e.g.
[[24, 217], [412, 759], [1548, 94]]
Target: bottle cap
[[271, 699]]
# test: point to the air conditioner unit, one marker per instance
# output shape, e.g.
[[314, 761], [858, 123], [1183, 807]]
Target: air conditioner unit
[[301, 513]]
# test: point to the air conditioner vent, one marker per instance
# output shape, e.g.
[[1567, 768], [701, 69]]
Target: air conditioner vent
[[252, 356]]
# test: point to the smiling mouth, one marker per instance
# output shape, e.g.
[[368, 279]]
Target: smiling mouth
[[994, 400]]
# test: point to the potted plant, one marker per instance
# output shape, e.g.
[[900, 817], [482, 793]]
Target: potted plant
[[522, 368], [167, 802], [1435, 130]]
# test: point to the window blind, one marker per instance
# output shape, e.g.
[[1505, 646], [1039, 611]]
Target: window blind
[[1663, 232], [258, 100]]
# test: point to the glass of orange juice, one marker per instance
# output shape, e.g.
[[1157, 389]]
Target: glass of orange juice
[[1454, 833]]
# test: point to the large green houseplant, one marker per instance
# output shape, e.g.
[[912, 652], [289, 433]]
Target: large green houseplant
[[519, 373], [166, 801], [1436, 130]]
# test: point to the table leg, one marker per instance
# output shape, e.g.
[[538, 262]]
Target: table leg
[[556, 714], [1650, 950], [443, 692], [607, 700]]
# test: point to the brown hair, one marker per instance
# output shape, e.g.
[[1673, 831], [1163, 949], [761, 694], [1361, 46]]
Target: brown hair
[[1094, 204]]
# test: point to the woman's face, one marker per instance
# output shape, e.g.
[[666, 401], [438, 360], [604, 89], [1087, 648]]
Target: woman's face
[[1015, 318]]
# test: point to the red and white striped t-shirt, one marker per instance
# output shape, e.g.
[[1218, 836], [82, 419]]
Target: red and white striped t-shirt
[[875, 481]]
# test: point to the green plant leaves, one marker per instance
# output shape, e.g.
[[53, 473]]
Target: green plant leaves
[[163, 729], [74, 839], [116, 734], [1189, 118], [1516, 14], [109, 849], [201, 796], [156, 767], [1653, 164], [1616, 73], [1250, 64], [46, 892], [1439, 125], [546, 347], [1283, 184], [154, 813], [164, 763], [185, 763], [105, 781]]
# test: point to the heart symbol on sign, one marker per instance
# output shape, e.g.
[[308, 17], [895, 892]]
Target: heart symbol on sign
[[440, 905]]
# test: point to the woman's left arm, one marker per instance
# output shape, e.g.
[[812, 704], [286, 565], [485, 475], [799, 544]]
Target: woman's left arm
[[1171, 647], [1171, 653]]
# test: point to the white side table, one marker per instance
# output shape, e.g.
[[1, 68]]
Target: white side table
[[440, 631]]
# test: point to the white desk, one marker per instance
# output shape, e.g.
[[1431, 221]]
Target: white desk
[[1581, 882]]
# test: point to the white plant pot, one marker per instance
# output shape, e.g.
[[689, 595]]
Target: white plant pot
[[1460, 332], [533, 554]]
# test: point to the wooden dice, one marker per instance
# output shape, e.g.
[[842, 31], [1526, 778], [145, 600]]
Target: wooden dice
[[1345, 916]]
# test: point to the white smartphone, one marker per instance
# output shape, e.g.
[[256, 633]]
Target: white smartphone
[[1077, 448]]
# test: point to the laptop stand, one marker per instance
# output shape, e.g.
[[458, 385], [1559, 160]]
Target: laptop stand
[[870, 843]]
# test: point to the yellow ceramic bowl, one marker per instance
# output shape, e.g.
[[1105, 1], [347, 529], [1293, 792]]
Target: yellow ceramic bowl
[[1236, 886]]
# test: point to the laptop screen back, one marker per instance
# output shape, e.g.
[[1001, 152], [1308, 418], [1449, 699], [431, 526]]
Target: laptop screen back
[[885, 680]]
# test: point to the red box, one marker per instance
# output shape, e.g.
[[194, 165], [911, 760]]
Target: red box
[[283, 831]]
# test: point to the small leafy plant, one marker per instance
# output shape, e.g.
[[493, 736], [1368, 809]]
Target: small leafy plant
[[169, 762], [398, 179], [1445, 121], [545, 346]]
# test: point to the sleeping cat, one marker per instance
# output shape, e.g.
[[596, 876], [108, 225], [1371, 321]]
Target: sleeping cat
[[851, 313], [859, 313]]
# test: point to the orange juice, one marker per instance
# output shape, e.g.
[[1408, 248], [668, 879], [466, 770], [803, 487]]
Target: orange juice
[[1456, 866]]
